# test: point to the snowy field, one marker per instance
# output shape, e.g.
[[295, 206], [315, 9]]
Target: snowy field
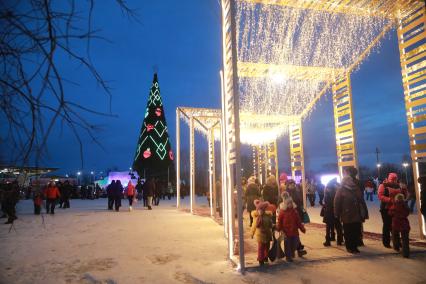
[[88, 244]]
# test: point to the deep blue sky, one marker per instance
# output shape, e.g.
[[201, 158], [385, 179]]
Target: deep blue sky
[[183, 40]]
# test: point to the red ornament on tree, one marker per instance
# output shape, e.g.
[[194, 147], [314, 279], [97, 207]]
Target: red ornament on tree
[[158, 111], [171, 155], [147, 153], [149, 127]]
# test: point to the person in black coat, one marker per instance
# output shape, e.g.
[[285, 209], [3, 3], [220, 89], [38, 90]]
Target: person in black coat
[[422, 181], [252, 193], [110, 194], [66, 191], [270, 194], [139, 190], [118, 194], [150, 190], [332, 223]]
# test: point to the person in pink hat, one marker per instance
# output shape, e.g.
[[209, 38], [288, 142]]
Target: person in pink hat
[[262, 229], [386, 193]]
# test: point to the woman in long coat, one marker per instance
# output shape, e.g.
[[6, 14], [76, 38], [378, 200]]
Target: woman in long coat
[[350, 209], [332, 223], [252, 193]]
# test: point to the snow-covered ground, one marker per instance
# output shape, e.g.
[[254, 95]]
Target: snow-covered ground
[[88, 244]]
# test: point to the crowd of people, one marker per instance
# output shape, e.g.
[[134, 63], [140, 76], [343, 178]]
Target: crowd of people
[[57, 193], [274, 208], [151, 191]]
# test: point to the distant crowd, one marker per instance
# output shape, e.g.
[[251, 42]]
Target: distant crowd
[[58, 193], [150, 190]]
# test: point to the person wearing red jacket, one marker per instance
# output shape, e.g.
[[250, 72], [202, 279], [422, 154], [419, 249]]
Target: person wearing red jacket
[[400, 225], [130, 194], [52, 194], [386, 193], [289, 223]]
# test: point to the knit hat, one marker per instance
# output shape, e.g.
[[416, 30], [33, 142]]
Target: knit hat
[[392, 177], [261, 205], [399, 197], [251, 179], [271, 180]]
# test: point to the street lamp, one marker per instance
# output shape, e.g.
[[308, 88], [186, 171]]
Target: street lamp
[[78, 177], [378, 170], [93, 178], [405, 165]]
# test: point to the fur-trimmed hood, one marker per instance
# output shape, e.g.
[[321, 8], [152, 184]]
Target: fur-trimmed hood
[[284, 204]]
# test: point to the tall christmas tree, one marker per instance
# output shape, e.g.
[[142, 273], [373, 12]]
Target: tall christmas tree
[[154, 155]]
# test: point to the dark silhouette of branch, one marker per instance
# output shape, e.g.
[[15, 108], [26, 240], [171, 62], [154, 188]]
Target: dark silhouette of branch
[[33, 96]]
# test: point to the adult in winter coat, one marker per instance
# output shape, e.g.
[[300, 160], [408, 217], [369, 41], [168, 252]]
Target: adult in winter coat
[[52, 194], [252, 193], [411, 196], [262, 229], [422, 181], [296, 194], [110, 195], [400, 225], [149, 188], [289, 223], [332, 223], [66, 194], [310, 191], [139, 189], [350, 209], [387, 191], [118, 193], [320, 190], [369, 190], [130, 194], [10, 198], [158, 191], [270, 194]]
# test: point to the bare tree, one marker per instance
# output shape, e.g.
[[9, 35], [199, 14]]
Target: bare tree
[[33, 99]]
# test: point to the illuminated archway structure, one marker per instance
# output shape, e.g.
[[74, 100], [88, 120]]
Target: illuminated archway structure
[[314, 45]]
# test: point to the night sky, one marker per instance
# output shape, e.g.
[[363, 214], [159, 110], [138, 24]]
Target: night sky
[[182, 39]]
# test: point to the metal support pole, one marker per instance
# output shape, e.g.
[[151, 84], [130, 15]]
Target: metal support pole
[[230, 101], [411, 40], [177, 158], [297, 154], [211, 168], [223, 158], [191, 164]]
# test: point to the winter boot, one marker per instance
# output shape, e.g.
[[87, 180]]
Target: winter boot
[[326, 243], [301, 253]]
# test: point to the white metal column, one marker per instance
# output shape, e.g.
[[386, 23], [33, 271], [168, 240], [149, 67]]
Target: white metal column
[[191, 164], [211, 168], [177, 158], [223, 158], [230, 103]]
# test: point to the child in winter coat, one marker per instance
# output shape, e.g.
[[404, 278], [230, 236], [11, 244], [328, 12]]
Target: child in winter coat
[[262, 228], [289, 223], [400, 225], [38, 201]]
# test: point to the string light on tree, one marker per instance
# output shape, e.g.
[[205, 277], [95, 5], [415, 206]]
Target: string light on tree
[[153, 152]]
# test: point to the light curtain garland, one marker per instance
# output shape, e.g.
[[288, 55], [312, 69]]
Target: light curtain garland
[[297, 51]]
